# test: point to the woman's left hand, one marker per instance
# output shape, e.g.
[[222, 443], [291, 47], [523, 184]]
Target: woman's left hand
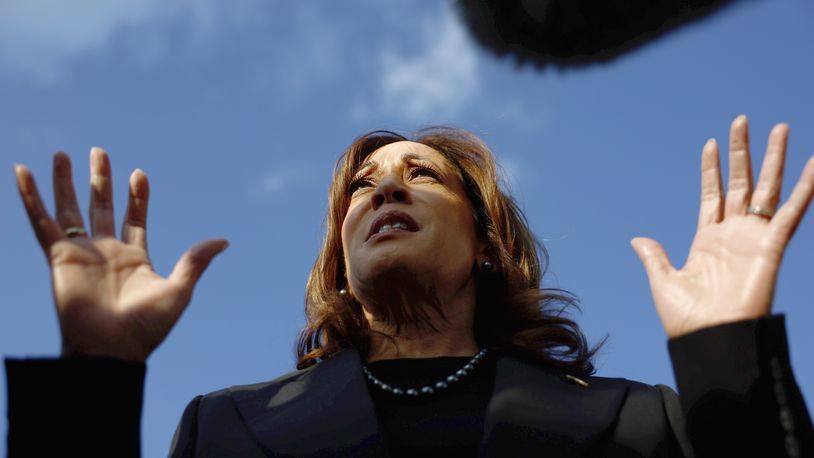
[[732, 267]]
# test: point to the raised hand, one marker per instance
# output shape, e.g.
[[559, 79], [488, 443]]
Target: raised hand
[[109, 300], [731, 271]]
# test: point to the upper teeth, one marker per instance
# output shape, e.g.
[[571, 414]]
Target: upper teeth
[[390, 227]]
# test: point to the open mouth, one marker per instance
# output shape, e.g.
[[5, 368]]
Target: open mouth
[[392, 221]]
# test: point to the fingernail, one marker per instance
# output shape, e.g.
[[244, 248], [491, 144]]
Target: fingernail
[[22, 181], [100, 163], [96, 154], [710, 142]]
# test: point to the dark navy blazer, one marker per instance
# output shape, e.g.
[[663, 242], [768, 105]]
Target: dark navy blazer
[[738, 383], [738, 398]]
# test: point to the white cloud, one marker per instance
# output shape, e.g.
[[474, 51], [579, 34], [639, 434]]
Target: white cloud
[[510, 171], [311, 54], [273, 182], [516, 114], [283, 177], [436, 83], [39, 37], [315, 53]]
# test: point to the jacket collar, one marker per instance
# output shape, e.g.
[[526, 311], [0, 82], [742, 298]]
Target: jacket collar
[[326, 410], [322, 411]]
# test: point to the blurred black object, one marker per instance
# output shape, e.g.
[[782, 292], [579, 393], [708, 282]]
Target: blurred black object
[[567, 33]]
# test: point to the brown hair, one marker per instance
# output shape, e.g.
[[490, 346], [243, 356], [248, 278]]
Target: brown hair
[[513, 311]]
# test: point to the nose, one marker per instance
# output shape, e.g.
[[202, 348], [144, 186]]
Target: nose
[[389, 190]]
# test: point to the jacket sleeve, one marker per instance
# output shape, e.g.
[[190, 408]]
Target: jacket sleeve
[[78, 406], [738, 392]]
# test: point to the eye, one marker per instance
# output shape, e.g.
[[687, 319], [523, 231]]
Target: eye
[[359, 184], [424, 171]]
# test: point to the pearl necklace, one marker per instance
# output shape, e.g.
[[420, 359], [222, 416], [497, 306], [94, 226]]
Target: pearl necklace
[[440, 385]]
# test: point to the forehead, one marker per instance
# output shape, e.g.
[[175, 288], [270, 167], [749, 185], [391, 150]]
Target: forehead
[[397, 152]]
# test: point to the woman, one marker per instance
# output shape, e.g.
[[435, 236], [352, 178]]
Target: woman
[[428, 333]]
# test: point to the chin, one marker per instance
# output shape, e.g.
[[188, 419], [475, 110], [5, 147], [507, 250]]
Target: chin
[[393, 266]]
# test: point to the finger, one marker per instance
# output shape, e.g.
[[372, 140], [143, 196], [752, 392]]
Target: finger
[[134, 229], [739, 188], [46, 230], [712, 194], [192, 264], [785, 222], [767, 192], [653, 257], [101, 194], [67, 210]]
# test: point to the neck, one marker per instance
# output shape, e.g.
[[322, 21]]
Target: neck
[[418, 344], [453, 336]]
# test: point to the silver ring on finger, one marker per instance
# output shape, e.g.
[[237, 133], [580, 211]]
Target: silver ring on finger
[[75, 231], [760, 211]]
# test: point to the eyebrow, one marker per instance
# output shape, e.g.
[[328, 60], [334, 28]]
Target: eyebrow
[[406, 157]]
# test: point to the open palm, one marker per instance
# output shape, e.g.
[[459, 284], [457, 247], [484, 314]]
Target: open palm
[[108, 298], [731, 271]]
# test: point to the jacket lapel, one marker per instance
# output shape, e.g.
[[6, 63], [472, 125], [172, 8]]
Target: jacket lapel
[[535, 412], [322, 411], [326, 410]]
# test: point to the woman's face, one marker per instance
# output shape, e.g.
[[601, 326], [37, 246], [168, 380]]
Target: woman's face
[[409, 220]]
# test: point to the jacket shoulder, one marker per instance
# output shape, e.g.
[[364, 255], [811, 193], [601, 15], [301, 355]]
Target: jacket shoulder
[[213, 424], [650, 421], [279, 382]]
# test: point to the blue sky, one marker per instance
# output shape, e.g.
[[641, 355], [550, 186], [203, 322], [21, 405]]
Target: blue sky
[[238, 110]]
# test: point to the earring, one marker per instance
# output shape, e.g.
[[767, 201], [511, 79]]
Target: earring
[[343, 292], [487, 267]]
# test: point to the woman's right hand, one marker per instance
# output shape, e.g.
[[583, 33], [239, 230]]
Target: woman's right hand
[[109, 300]]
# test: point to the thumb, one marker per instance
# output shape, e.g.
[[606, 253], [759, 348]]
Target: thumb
[[652, 255], [192, 264]]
